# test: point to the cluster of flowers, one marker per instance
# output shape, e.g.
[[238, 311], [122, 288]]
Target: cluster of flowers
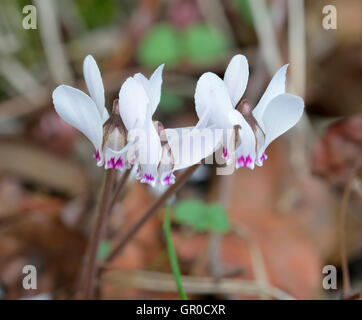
[[129, 137]]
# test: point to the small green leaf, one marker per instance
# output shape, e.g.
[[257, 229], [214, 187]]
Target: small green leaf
[[160, 45], [201, 216], [104, 249], [203, 44]]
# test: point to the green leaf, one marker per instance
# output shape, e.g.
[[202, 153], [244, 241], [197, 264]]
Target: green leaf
[[160, 45], [203, 44], [202, 217], [104, 249]]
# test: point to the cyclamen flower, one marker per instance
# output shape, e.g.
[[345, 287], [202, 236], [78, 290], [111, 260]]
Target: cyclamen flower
[[254, 129], [184, 147], [110, 135]]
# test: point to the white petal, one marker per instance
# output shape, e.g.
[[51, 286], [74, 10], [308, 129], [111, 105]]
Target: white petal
[[236, 77], [133, 102], [148, 152], [93, 80], [245, 152], [281, 114], [275, 88], [79, 110], [152, 86], [116, 159], [212, 95], [191, 146]]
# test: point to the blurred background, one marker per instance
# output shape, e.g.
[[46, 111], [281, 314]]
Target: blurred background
[[262, 234]]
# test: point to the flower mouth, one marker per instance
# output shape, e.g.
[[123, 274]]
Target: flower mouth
[[112, 163], [169, 179], [148, 178], [245, 161]]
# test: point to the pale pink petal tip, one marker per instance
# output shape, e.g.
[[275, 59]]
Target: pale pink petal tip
[[245, 162]]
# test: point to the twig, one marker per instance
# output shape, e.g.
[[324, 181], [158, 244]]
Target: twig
[[297, 45], [150, 212], [90, 267], [49, 31], [342, 228], [215, 244], [266, 35], [257, 259], [162, 282]]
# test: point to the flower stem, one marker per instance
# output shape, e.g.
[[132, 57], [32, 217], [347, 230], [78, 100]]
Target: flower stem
[[172, 253], [89, 269], [181, 180], [119, 189]]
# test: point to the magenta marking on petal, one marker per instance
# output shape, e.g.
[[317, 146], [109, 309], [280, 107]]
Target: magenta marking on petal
[[263, 157], [148, 178], [168, 180], [111, 163], [118, 164], [97, 156], [225, 153], [245, 161]]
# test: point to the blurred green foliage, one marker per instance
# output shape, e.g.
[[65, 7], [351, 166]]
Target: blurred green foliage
[[244, 8], [201, 216], [170, 102], [160, 45], [204, 45], [199, 44], [104, 249], [97, 13]]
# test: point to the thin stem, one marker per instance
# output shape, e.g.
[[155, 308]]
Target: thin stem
[[150, 212], [89, 269], [172, 253], [119, 188]]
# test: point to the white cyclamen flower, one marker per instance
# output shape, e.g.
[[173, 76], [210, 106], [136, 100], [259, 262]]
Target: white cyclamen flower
[[110, 134], [256, 128], [184, 147]]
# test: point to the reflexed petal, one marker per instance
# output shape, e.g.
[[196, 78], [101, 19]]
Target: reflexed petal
[[275, 88], [212, 95], [148, 153], [165, 169], [80, 111], [281, 114], [191, 146], [93, 80], [133, 102], [236, 77], [152, 86], [245, 150]]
